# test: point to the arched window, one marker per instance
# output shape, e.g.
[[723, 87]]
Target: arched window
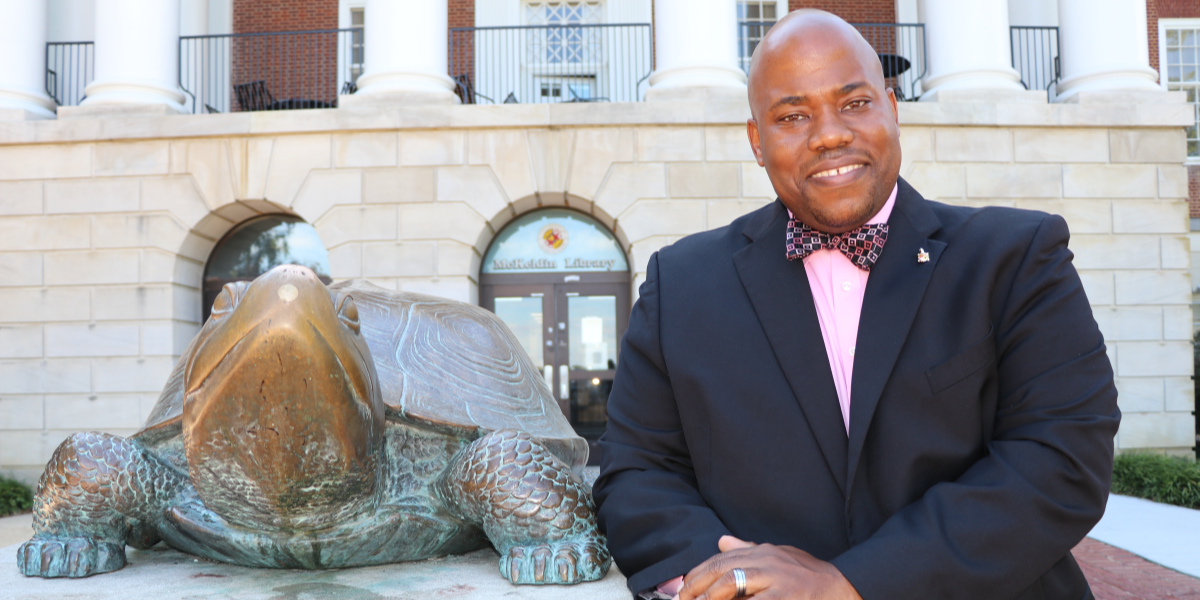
[[258, 245], [560, 280]]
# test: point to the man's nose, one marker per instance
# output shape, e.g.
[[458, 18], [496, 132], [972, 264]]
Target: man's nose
[[829, 131]]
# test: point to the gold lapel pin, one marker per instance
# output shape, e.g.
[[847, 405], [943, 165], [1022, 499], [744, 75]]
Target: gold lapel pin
[[922, 255]]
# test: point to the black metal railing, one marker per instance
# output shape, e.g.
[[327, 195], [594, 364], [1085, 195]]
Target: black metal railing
[[269, 71], [901, 49], [1035, 56], [70, 66], [551, 63]]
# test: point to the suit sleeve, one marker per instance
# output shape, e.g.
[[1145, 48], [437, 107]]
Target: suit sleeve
[[1044, 480], [658, 525]]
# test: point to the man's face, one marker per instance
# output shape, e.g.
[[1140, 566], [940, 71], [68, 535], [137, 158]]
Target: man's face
[[825, 127]]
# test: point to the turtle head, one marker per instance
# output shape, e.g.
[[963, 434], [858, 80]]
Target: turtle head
[[282, 415]]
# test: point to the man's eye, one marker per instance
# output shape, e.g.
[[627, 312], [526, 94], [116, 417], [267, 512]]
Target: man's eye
[[792, 118], [857, 104]]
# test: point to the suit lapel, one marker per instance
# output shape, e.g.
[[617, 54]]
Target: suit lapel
[[779, 290], [894, 292]]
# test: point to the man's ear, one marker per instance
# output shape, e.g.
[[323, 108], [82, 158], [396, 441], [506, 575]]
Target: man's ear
[[895, 105], [755, 144]]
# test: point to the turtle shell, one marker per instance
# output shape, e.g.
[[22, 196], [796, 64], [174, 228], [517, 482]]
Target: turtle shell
[[443, 364]]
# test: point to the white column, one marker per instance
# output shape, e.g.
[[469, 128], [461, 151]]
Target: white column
[[137, 55], [1104, 47], [23, 68], [969, 49], [696, 51], [406, 46]]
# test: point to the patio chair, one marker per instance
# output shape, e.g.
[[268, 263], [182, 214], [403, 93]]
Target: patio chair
[[253, 96]]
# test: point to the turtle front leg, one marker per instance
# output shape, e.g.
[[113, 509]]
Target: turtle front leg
[[99, 492], [537, 514]]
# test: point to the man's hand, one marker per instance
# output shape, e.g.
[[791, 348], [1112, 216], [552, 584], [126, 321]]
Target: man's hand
[[772, 572]]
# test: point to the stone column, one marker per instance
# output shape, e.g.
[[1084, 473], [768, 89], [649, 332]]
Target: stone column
[[969, 51], [696, 51], [23, 71], [1103, 48], [137, 59], [405, 55]]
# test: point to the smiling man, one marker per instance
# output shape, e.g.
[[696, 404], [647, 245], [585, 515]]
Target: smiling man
[[855, 392]]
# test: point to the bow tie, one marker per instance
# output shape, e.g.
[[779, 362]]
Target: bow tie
[[862, 246]]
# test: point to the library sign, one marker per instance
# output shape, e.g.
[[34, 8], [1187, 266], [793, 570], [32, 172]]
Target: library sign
[[554, 240]]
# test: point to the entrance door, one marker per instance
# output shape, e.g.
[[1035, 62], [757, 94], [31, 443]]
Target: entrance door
[[572, 331], [560, 282]]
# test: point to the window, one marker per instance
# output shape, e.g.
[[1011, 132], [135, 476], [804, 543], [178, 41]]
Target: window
[[558, 45], [560, 281], [356, 46], [562, 13], [755, 17], [1179, 68], [259, 245]]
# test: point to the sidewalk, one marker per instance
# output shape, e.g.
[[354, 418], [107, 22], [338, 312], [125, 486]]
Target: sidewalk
[[14, 530], [1114, 555], [1161, 533]]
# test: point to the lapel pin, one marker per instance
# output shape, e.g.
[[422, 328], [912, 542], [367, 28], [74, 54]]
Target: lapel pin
[[922, 255]]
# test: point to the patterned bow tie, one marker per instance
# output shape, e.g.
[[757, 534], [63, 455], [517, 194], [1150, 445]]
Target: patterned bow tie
[[862, 246]]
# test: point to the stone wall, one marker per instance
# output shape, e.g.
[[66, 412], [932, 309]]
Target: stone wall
[[105, 224]]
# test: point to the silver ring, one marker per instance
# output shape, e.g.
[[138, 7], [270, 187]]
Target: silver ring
[[739, 580]]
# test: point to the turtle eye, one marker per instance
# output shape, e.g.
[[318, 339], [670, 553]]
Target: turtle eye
[[348, 313], [227, 300]]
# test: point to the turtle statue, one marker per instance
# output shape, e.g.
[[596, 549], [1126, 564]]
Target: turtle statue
[[318, 427]]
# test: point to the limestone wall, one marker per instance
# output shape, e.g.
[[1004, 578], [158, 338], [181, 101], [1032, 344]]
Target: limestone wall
[[105, 224]]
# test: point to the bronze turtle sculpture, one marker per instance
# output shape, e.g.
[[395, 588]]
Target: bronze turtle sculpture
[[313, 427]]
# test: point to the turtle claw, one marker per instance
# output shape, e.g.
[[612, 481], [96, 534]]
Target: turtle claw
[[71, 557], [564, 562]]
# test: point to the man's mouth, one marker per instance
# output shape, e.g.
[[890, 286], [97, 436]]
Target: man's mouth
[[837, 171]]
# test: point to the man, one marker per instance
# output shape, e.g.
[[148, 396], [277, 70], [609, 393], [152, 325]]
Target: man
[[960, 452]]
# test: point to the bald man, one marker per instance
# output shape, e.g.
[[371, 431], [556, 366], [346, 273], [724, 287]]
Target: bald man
[[855, 392]]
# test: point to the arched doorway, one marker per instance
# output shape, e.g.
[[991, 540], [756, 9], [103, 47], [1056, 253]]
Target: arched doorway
[[258, 245], [560, 280]]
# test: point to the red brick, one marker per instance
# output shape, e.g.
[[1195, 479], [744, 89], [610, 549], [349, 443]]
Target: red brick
[[1115, 574], [296, 66], [860, 11], [1166, 9], [1194, 190]]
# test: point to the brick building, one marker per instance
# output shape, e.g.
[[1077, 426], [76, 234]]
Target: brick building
[[134, 177]]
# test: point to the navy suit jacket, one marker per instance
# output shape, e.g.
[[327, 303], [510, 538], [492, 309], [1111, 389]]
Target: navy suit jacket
[[982, 413]]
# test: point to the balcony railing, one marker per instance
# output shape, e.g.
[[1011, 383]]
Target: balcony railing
[[551, 63], [269, 71], [901, 49], [1035, 56], [70, 66]]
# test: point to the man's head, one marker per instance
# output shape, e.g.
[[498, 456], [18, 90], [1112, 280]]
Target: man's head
[[824, 124]]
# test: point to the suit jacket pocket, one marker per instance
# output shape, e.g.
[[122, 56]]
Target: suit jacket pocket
[[962, 365]]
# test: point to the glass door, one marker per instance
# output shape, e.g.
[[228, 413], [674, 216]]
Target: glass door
[[572, 331], [524, 308], [560, 281], [590, 319]]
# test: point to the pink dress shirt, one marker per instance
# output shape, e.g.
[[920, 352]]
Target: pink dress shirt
[[837, 288]]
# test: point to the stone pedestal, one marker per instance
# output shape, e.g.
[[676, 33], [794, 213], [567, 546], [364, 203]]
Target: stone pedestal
[[165, 573]]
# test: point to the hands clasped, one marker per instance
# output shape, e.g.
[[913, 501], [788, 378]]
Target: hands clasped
[[771, 572]]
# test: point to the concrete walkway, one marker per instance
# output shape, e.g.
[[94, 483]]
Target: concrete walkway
[[14, 530], [1161, 533]]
